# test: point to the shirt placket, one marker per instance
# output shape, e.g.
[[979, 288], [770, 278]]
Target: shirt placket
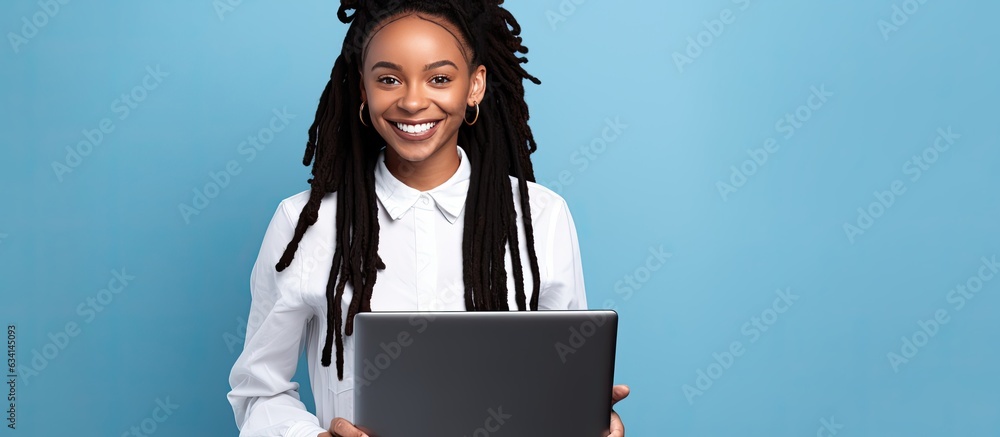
[[426, 248]]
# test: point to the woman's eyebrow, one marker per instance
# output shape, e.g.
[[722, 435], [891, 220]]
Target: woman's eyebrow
[[431, 66], [438, 64]]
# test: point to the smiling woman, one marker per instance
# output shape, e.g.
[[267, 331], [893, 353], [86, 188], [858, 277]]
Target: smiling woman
[[423, 184], [410, 102]]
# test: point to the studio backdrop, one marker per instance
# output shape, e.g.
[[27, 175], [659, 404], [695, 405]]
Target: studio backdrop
[[793, 206]]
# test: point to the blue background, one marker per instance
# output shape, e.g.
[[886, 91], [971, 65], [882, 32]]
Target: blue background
[[822, 361]]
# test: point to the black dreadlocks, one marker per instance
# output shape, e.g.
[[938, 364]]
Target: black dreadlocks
[[343, 156]]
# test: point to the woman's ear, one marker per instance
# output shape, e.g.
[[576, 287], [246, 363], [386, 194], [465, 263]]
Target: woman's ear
[[478, 86]]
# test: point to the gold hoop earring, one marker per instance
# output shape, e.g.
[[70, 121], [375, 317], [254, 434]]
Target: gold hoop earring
[[361, 114], [474, 119]]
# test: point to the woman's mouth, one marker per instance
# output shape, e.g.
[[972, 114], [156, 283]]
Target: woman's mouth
[[415, 132]]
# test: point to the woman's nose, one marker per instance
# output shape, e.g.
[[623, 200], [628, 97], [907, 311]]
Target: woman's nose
[[414, 100]]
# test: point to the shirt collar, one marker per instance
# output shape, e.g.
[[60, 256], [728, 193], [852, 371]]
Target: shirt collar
[[397, 197]]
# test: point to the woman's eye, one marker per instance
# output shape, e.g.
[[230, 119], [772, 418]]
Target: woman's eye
[[440, 80], [388, 80]]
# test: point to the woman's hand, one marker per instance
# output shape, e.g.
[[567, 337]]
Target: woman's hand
[[618, 393], [340, 427]]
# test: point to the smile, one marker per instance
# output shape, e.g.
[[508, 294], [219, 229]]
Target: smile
[[415, 132], [415, 128]]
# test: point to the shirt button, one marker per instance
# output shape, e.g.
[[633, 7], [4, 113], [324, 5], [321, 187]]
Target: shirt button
[[424, 200]]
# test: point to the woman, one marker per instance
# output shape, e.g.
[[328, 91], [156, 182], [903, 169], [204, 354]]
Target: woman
[[406, 219]]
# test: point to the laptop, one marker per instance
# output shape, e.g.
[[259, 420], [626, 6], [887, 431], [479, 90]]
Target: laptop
[[479, 374]]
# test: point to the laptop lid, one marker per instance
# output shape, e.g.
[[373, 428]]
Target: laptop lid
[[478, 374]]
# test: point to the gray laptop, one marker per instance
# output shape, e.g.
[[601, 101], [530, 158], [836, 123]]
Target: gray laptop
[[478, 374]]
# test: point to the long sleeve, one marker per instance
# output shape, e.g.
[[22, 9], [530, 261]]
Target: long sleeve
[[563, 288], [264, 399]]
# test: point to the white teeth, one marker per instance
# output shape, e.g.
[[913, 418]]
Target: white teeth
[[415, 128]]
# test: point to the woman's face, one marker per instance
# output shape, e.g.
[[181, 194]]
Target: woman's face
[[417, 84]]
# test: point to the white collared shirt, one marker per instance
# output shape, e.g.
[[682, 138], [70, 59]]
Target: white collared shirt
[[420, 241]]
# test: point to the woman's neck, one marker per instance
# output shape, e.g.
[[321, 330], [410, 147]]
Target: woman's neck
[[427, 174]]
